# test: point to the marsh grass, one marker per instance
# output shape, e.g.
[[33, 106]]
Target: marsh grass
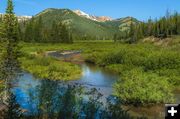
[[151, 71]]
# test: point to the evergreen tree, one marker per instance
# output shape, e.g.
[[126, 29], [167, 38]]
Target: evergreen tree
[[178, 25], [64, 34], [9, 64], [55, 33], [162, 28], [46, 35], [38, 26], [150, 27], [115, 37], [1, 18], [70, 38], [29, 31], [13, 108], [132, 34]]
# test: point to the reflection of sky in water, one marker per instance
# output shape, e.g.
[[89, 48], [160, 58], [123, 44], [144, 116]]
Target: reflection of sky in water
[[27, 88], [26, 93], [97, 77]]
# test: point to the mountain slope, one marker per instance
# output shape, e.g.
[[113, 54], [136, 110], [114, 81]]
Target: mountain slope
[[84, 26], [77, 24], [122, 24]]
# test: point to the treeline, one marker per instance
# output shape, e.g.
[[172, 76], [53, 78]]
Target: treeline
[[164, 27], [1, 18], [35, 31], [88, 37]]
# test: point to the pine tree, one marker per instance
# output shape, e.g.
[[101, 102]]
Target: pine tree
[[178, 25], [13, 108], [150, 26], [9, 64], [115, 37], [132, 34], [70, 38], [55, 33], [38, 26], [64, 34], [46, 35], [29, 31], [1, 18]]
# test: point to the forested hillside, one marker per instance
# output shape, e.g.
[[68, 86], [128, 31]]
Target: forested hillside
[[51, 24], [162, 28]]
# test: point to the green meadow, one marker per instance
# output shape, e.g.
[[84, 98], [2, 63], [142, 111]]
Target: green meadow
[[148, 72]]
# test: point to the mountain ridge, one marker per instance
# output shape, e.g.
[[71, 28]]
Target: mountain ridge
[[83, 25]]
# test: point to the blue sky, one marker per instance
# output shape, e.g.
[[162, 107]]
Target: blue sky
[[140, 9]]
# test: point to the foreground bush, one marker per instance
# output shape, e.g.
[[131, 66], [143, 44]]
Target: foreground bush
[[137, 87]]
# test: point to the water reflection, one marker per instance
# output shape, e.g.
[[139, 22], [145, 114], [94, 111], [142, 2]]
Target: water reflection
[[85, 98], [97, 77], [36, 95], [52, 99], [49, 99]]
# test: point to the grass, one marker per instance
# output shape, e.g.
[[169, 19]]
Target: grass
[[49, 68], [152, 71], [34, 62]]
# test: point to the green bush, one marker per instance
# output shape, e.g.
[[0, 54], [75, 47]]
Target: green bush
[[164, 59], [137, 87], [119, 68], [172, 74]]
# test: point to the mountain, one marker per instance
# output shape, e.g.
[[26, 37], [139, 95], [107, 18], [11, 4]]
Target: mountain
[[24, 18], [95, 18], [122, 24], [85, 25], [20, 18], [103, 18], [79, 26]]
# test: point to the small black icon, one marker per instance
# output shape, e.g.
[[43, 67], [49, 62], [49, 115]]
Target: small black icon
[[172, 111]]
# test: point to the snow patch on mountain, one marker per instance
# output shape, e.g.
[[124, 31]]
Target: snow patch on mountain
[[20, 18], [94, 18]]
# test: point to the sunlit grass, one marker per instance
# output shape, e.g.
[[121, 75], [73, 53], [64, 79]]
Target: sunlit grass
[[49, 68]]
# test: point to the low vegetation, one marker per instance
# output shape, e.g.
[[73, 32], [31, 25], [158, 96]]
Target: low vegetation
[[49, 68], [137, 87], [159, 68], [149, 73]]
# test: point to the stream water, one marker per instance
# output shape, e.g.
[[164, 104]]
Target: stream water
[[28, 89]]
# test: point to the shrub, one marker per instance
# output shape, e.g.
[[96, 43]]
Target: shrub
[[119, 68], [137, 87]]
